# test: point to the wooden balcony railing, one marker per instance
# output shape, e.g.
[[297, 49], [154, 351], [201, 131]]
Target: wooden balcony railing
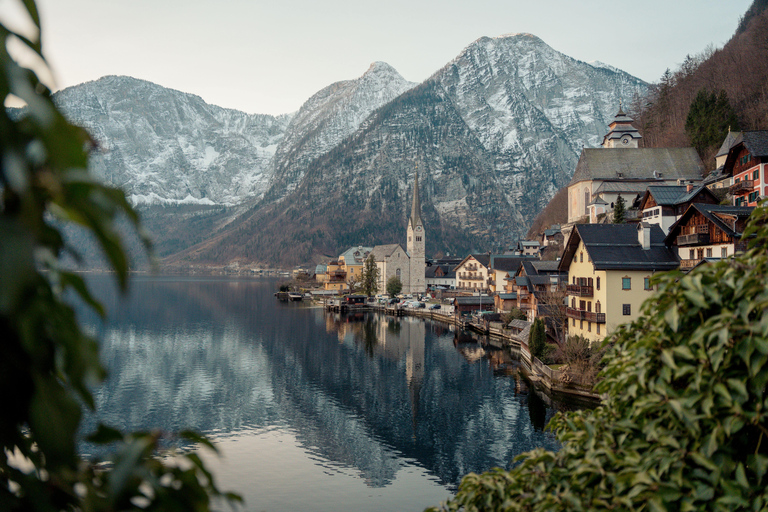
[[580, 314], [693, 239], [580, 290], [742, 187]]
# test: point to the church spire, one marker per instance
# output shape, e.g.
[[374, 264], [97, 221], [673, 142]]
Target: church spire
[[415, 219]]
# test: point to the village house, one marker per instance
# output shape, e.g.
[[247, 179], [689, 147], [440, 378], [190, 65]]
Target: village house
[[707, 231], [537, 285], [352, 261], [472, 274], [747, 162], [609, 270], [718, 178], [500, 267], [620, 167], [441, 276], [665, 204], [335, 278]]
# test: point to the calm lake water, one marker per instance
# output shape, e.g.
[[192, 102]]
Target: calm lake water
[[312, 410]]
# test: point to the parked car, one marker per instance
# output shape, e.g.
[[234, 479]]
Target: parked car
[[393, 300], [434, 306]]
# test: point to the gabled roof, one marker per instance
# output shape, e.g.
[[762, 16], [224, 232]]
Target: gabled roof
[[731, 140], [430, 272], [382, 252], [545, 266], [506, 262], [756, 142], [616, 247], [673, 195], [355, 255], [638, 163], [628, 187], [715, 213], [483, 259]]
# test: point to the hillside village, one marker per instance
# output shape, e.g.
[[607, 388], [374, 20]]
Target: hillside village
[[632, 212]]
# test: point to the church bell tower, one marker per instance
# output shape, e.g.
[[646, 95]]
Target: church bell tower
[[416, 244]]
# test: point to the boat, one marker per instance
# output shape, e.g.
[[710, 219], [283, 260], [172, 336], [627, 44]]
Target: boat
[[295, 296]]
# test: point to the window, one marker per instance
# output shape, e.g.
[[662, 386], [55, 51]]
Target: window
[[589, 326], [647, 284], [574, 322], [581, 324], [709, 252], [581, 257], [418, 239], [598, 283], [756, 174], [598, 328], [691, 254], [597, 308], [724, 252], [626, 309], [626, 283]]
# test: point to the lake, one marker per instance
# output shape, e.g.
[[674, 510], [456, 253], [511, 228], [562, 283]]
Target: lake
[[312, 410]]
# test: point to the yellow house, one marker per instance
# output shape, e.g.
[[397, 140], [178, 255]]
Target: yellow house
[[336, 277], [609, 269]]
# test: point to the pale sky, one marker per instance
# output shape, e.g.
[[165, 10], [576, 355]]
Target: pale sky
[[269, 57]]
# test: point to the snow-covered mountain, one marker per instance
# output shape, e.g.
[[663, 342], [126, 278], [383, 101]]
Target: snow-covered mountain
[[327, 118], [168, 147]]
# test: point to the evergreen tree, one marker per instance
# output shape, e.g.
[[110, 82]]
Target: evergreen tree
[[538, 339], [394, 286], [619, 211], [369, 281], [710, 116]]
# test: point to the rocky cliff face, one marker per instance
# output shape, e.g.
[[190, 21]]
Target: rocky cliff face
[[493, 135], [167, 147]]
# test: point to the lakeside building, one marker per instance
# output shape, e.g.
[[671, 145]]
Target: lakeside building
[[473, 274], [708, 231], [620, 167], [609, 270]]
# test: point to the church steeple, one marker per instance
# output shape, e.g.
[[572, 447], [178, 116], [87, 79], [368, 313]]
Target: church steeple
[[416, 204], [621, 133]]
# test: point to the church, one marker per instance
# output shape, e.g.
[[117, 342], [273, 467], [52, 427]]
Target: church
[[620, 167], [408, 265]]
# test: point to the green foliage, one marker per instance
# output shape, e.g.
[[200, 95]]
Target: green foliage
[[619, 211], [709, 119], [684, 423], [514, 314], [538, 339], [394, 286], [47, 363], [369, 281]]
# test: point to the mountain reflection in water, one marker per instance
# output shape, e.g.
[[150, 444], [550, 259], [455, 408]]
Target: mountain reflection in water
[[402, 407]]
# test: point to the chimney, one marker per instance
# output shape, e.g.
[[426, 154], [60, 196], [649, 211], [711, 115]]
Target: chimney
[[690, 187], [644, 235]]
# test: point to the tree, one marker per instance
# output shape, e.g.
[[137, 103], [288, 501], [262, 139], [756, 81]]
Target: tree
[[683, 423], [48, 364], [370, 278], [619, 211], [709, 119], [394, 286], [538, 339], [552, 307]]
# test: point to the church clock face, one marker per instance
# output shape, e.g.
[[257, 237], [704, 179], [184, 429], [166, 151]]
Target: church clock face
[[418, 228], [625, 140]]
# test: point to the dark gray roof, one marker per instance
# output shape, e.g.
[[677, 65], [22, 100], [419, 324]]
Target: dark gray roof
[[483, 259], [615, 186], [506, 262], [756, 142], [429, 272], [667, 195], [731, 140], [545, 266], [616, 246], [473, 301], [638, 163]]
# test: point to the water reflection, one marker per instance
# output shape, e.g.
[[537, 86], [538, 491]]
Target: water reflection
[[363, 391]]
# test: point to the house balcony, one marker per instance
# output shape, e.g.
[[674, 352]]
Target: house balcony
[[688, 264], [693, 239], [471, 278], [338, 274], [580, 290], [742, 187], [580, 314]]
